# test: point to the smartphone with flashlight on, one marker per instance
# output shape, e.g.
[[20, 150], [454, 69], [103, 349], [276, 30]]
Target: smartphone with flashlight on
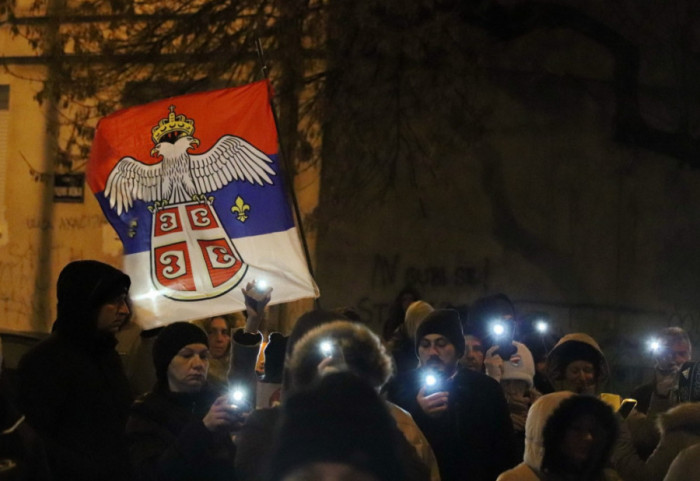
[[238, 399], [502, 331], [260, 287], [433, 382], [332, 354]]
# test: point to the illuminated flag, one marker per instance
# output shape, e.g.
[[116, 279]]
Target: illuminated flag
[[193, 187]]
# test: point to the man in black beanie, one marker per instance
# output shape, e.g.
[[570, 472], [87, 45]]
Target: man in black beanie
[[72, 386], [463, 413]]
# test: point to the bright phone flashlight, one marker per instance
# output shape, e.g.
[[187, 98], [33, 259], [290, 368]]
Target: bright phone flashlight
[[541, 326], [498, 328], [326, 348], [260, 285], [430, 380], [236, 397], [654, 345]]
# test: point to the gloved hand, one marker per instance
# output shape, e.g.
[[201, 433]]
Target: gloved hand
[[493, 364]]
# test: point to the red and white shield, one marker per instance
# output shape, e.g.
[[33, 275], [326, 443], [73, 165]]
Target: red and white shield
[[192, 257]]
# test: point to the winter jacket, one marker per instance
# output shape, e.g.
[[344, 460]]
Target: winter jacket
[[536, 446], [72, 386], [686, 466], [256, 438], [413, 434], [474, 436], [168, 440], [679, 428], [643, 424]]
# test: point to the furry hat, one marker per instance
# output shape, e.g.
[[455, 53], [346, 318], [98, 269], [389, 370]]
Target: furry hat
[[444, 322], [169, 342], [361, 350], [308, 321], [341, 419], [520, 366]]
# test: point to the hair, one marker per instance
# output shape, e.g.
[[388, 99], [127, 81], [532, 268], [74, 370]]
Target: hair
[[362, 350], [233, 321], [578, 351], [339, 419], [560, 421], [674, 334]]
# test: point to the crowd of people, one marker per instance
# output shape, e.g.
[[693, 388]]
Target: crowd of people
[[442, 394]]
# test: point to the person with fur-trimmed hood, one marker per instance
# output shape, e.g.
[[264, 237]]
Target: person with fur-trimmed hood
[[679, 428], [355, 348], [462, 413], [72, 386], [255, 440], [569, 437], [576, 363]]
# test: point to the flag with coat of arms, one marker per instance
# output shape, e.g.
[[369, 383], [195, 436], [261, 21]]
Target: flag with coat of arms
[[193, 186]]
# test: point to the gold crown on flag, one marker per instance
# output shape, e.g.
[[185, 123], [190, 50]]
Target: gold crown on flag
[[174, 123]]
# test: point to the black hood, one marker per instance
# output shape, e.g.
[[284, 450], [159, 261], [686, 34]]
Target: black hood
[[82, 288]]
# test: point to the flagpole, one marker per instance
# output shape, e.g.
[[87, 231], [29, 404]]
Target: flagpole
[[264, 69]]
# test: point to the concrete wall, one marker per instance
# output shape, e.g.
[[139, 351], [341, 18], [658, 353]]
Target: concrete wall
[[546, 208]]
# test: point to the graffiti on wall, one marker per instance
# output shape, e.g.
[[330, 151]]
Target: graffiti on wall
[[72, 223], [391, 273], [25, 297]]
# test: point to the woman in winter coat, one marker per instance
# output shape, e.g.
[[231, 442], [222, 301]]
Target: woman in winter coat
[[182, 430], [576, 363], [364, 355], [679, 428], [686, 465], [569, 437]]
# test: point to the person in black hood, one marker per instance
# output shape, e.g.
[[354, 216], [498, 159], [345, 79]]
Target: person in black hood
[[72, 386]]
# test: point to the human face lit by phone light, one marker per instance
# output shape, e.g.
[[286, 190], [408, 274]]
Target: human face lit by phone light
[[437, 352], [187, 371], [580, 377]]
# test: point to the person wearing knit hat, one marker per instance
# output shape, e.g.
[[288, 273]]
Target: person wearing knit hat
[[182, 430], [516, 378], [463, 413], [72, 386]]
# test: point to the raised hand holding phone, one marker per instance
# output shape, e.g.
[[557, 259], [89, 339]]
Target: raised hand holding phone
[[257, 295]]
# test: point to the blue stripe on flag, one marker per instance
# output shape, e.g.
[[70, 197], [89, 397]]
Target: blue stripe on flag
[[269, 212]]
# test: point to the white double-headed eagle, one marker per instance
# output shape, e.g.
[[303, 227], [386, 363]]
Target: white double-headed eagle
[[181, 176]]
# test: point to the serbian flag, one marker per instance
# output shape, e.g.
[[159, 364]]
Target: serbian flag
[[193, 186]]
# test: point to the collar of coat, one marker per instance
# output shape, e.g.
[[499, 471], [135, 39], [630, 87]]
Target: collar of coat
[[683, 417]]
